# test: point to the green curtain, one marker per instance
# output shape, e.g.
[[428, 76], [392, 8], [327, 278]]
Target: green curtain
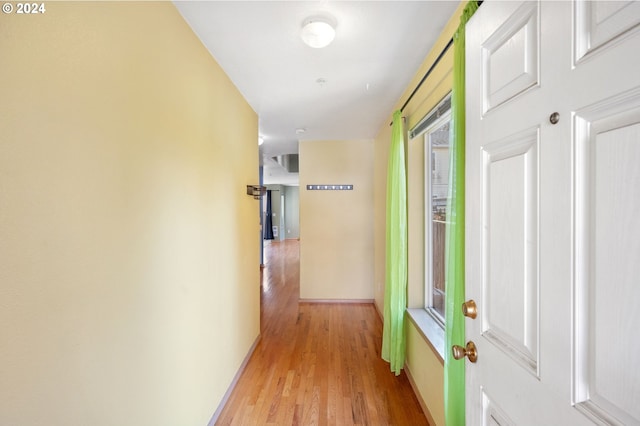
[[454, 389], [395, 293]]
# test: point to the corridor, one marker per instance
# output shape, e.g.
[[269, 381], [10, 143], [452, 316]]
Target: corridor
[[316, 364]]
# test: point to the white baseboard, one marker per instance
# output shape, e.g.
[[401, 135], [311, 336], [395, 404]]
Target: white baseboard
[[234, 382]]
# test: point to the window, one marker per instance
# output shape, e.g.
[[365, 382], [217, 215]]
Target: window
[[436, 166]]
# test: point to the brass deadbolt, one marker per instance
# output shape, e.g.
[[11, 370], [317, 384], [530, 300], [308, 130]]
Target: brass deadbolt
[[469, 309]]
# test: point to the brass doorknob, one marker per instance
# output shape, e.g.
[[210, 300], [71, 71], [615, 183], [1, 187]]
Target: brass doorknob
[[470, 351], [469, 309]]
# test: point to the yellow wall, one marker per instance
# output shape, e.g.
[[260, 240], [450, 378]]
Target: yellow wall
[[129, 284], [422, 362], [426, 372], [336, 227]]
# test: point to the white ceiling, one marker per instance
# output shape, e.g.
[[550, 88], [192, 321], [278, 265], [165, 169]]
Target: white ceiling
[[378, 47]]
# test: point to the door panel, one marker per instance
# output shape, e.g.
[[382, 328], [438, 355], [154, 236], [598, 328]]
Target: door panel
[[607, 202], [510, 319], [493, 414], [598, 24], [510, 57], [553, 239]]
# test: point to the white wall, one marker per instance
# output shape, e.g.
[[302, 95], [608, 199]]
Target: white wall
[[292, 211]]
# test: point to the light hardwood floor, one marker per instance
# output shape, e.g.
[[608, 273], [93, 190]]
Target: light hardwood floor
[[316, 364]]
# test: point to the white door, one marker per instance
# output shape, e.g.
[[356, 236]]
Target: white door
[[553, 213]]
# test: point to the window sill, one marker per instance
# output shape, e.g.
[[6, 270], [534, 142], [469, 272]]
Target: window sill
[[430, 329]]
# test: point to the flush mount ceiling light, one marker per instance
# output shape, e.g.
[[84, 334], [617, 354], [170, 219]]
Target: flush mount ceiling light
[[317, 32]]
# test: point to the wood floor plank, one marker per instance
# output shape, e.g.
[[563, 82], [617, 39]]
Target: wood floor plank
[[316, 364]]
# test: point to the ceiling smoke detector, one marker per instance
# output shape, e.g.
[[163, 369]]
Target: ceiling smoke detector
[[317, 32]]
